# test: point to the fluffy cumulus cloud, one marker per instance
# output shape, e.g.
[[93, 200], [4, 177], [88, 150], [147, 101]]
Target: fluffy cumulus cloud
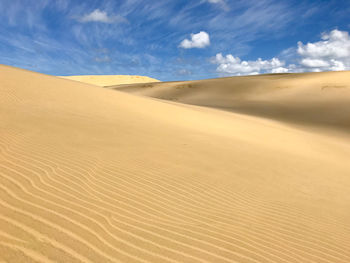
[[101, 16], [230, 65], [331, 53], [199, 40]]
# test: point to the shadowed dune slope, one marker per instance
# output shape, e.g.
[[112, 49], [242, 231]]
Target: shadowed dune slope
[[96, 175], [108, 80], [313, 99]]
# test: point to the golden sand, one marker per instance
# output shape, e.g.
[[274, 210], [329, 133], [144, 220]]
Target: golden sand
[[108, 80], [97, 175], [307, 99]]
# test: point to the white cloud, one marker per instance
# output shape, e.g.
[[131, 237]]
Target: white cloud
[[279, 70], [314, 63], [101, 16], [230, 65], [331, 53], [199, 40], [221, 3], [216, 1]]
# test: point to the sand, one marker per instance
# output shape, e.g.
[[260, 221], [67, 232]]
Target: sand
[[89, 174], [109, 80], [307, 99]]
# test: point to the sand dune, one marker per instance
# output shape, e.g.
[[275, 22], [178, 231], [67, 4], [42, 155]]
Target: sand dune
[[312, 99], [108, 80], [97, 175]]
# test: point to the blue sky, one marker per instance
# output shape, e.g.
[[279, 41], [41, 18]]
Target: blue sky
[[175, 39]]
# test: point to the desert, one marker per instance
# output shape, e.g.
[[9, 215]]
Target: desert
[[174, 131], [110, 80], [93, 174]]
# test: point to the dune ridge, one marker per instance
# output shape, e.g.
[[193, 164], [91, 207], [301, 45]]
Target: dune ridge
[[108, 80], [308, 99], [97, 175]]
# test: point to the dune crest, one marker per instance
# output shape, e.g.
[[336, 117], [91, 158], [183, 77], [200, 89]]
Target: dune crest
[[108, 80], [96, 175]]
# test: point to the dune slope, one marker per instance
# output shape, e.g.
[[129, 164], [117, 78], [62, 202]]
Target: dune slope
[[108, 80], [311, 99], [96, 175]]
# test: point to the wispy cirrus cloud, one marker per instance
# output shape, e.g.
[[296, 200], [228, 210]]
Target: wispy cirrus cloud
[[183, 72], [216, 1], [222, 3], [63, 37]]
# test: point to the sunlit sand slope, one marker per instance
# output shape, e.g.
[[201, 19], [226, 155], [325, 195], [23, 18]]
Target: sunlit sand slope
[[313, 99], [96, 175], [108, 80]]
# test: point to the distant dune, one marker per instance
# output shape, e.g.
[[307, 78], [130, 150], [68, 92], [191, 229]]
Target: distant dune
[[89, 174], [108, 80], [313, 99]]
